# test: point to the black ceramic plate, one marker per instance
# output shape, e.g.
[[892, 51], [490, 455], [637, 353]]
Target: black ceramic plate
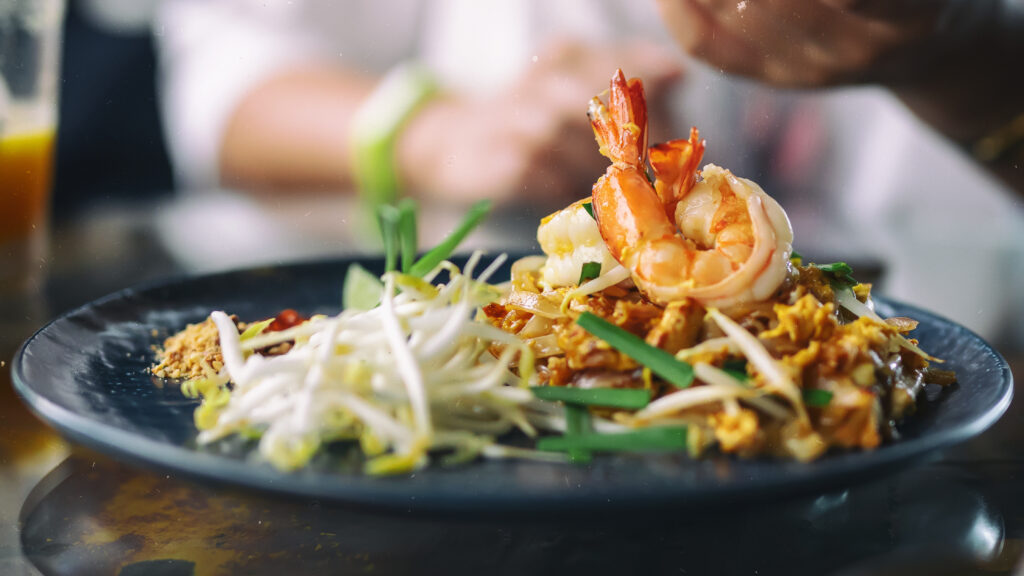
[[86, 374]]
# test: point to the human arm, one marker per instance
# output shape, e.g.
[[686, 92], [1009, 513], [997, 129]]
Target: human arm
[[529, 142], [258, 97], [292, 131]]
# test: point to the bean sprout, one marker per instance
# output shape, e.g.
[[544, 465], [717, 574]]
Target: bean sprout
[[410, 376]]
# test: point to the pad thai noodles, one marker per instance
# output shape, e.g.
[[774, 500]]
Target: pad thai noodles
[[668, 311]]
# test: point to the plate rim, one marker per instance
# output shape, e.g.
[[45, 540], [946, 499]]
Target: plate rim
[[391, 493]]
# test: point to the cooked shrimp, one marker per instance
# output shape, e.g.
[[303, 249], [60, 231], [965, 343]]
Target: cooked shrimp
[[570, 238], [721, 241]]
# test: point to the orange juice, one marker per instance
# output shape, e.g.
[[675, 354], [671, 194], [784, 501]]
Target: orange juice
[[26, 171], [29, 87]]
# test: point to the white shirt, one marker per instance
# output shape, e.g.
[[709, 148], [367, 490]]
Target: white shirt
[[212, 52]]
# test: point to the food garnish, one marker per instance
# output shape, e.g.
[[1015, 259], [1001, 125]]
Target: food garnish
[[444, 250], [589, 271], [816, 398], [626, 398], [641, 440]]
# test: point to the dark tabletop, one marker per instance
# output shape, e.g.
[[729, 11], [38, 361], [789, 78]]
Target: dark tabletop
[[66, 510]]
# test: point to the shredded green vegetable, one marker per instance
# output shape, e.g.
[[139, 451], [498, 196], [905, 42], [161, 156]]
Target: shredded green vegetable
[[665, 365], [589, 207], [626, 398], [640, 440], [816, 398]]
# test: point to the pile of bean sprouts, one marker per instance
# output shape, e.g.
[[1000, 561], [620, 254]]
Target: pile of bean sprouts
[[407, 378]]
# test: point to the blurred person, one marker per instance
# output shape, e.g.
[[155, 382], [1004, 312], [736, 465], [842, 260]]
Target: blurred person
[[262, 96]]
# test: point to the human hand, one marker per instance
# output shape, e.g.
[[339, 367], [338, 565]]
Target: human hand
[[530, 143], [949, 61], [808, 43]]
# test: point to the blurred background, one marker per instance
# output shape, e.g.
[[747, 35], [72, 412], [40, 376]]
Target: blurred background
[[151, 178]]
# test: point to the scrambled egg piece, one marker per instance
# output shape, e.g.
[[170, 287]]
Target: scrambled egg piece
[[806, 320], [735, 432]]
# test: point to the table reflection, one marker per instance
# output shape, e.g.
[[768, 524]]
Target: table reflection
[[92, 515], [28, 448]]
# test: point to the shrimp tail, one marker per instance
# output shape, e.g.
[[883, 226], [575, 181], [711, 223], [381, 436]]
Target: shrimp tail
[[676, 165], [621, 127]]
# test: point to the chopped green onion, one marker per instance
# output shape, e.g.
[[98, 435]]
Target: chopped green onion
[[362, 290], [840, 272], [627, 398], [665, 365], [407, 232], [388, 217], [577, 419], [844, 283], [737, 369], [443, 250], [577, 422], [795, 254], [837, 268], [640, 440], [817, 398], [740, 376], [589, 271], [589, 207]]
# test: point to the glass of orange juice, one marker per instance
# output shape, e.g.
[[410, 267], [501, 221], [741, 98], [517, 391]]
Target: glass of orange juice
[[30, 46]]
